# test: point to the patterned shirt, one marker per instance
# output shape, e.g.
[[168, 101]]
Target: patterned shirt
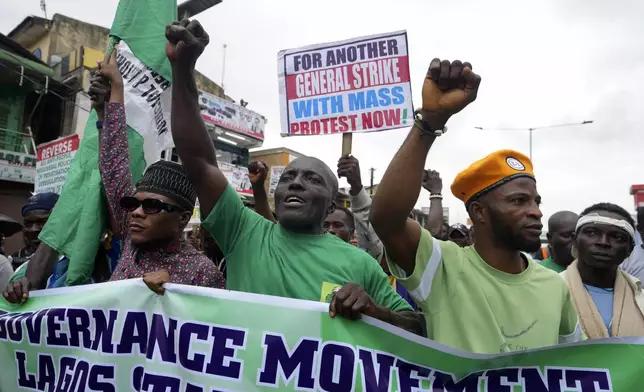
[[184, 264]]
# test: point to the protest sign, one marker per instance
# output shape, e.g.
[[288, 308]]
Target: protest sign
[[52, 165], [120, 336], [276, 173], [237, 177], [229, 115], [357, 85]]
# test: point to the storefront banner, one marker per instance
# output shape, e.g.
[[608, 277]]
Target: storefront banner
[[231, 116], [120, 336], [53, 162], [357, 85], [17, 167], [237, 177]]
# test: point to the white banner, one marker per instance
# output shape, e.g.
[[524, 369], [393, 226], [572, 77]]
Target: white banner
[[147, 103], [17, 167]]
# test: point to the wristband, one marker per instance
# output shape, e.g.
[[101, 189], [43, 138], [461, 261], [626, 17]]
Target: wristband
[[436, 196], [425, 127]]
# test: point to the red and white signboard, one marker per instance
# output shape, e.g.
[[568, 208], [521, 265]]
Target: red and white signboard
[[52, 164], [638, 193], [357, 85]]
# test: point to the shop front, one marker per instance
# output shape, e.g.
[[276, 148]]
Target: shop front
[[234, 130]]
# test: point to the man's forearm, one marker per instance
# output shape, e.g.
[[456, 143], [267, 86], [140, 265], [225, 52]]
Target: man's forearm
[[435, 217], [407, 320], [400, 186], [41, 266], [261, 203], [188, 129]]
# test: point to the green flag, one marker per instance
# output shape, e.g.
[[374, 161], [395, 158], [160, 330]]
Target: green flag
[[75, 226]]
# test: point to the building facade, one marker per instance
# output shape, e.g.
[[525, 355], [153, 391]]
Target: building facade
[[32, 103]]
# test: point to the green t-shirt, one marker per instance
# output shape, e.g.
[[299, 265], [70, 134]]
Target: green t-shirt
[[264, 258], [473, 307], [551, 265]]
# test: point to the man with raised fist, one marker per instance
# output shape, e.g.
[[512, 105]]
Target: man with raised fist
[[294, 258], [486, 298]]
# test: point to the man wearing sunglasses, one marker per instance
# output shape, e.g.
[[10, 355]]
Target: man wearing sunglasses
[[150, 217]]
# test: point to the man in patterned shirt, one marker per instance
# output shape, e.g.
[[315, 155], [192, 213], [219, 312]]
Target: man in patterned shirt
[[152, 216]]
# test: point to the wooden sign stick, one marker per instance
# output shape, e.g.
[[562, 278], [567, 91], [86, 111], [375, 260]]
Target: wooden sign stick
[[347, 140]]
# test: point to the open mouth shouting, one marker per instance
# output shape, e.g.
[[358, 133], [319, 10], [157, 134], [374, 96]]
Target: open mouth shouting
[[293, 201]]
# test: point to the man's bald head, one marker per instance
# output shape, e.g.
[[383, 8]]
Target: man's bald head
[[562, 220], [319, 167], [561, 228], [304, 195]]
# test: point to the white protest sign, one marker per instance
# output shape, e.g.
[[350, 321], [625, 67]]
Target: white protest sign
[[276, 173], [52, 164], [357, 85]]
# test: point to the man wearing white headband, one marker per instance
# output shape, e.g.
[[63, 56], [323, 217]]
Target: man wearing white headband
[[609, 301]]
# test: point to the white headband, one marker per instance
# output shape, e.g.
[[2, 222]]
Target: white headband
[[596, 218]]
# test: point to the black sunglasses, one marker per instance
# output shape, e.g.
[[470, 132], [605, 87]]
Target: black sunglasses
[[150, 206]]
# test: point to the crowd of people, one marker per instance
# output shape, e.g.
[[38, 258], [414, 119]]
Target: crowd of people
[[476, 289]]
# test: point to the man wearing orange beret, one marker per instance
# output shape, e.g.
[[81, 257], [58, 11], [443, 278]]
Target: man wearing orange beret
[[489, 297]]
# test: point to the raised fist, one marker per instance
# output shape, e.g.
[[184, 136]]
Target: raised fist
[[186, 42], [432, 181], [349, 167], [257, 173], [449, 87]]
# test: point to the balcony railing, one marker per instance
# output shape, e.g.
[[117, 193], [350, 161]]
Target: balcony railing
[[16, 141]]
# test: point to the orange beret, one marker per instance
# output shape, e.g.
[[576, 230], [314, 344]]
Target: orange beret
[[488, 173]]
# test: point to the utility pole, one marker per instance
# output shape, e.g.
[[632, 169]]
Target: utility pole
[[43, 7], [372, 170], [223, 68]]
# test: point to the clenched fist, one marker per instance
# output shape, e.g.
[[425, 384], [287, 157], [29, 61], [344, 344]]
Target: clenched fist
[[186, 42], [449, 87], [432, 181], [257, 173], [349, 167]]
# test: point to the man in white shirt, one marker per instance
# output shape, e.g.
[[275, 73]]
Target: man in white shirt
[[634, 264]]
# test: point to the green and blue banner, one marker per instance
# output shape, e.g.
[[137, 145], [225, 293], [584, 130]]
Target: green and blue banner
[[120, 336]]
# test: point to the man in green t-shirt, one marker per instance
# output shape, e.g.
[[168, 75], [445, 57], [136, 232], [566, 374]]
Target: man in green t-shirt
[[294, 258], [485, 298], [561, 229]]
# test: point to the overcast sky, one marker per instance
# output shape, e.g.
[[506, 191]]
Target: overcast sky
[[542, 63]]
